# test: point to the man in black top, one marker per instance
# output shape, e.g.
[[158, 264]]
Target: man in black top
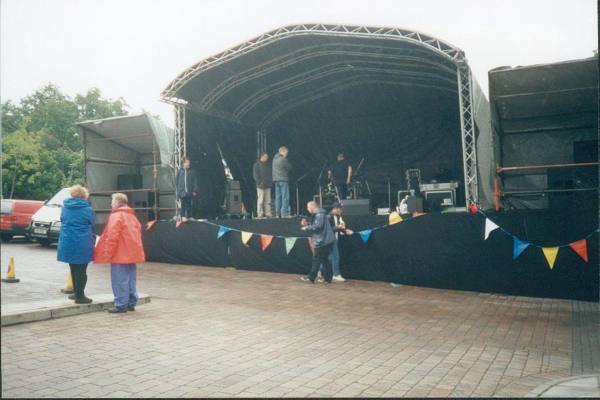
[[263, 177], [341, 172], [187, 187]]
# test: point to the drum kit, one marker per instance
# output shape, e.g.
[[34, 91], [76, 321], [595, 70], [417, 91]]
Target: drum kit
[[356, 190]]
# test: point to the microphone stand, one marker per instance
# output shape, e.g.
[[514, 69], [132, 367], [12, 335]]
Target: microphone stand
[[319, 182], [297, 191]]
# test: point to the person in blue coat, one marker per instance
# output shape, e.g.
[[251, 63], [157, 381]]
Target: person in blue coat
[[76, 241]]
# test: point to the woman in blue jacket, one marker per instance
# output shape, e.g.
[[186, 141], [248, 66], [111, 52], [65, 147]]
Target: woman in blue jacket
[[76, 240]]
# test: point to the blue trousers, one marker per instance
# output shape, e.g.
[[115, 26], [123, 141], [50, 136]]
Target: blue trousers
[[334, 258], [123, 278], [186, 207], [282, 198]]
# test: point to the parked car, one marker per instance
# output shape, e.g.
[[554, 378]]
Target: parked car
[[45, 223], [15, 217]]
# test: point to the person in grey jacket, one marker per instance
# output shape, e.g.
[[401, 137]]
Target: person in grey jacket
[[322, 241], [263, 176], [187, 187], [281, 178]]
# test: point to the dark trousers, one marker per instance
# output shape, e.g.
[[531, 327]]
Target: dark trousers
[[321, 256], [186, 207], [79, 277], [342, 190]]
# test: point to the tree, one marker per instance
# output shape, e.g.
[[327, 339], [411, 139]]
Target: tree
[[93, 106]]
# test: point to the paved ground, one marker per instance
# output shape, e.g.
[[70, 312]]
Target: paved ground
[[210, 332]]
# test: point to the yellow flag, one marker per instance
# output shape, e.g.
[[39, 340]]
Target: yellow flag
[[550, 253], [246, 236], [395, 218]]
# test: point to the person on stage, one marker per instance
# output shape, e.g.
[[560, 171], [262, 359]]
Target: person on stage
[[322, 242], [263, 176], [187, 187], [341, 173], [281, 179]]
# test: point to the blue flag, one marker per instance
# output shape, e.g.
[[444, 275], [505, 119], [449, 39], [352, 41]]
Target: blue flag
[[222, 231], [365, 235], [518, 247]]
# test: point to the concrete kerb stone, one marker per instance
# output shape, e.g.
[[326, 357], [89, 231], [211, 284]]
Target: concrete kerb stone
[[566, 383], [13, 314]]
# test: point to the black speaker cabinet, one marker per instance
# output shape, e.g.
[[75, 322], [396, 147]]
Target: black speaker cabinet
[[414, 204], [356, 207], [129, 181], [233, 202], [233, 185]]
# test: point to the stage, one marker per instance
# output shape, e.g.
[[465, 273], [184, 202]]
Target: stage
[[438, 250]]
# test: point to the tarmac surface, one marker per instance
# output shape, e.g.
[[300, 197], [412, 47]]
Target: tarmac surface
[[216, 332]]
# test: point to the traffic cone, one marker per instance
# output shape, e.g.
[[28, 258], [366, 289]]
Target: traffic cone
[[69, 289], [10, 274]]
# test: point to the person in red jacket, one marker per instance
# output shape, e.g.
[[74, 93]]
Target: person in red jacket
[[121, 246]]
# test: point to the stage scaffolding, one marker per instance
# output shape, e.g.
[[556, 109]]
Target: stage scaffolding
[[439, 56]]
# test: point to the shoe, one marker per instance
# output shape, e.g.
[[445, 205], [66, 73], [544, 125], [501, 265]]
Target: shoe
[[184, 219], [130, 308], [306, 279], [117, 310], [71, 297], [84, 300], [338, 278], [287, 216], [320, 280], [320, 274]]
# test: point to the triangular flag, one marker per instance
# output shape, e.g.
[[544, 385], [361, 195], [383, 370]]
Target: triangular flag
[[289, 244], [266, 241], [222, 230], [416, 214], [310, 245], [550, 253], [518, 247], [245, 237], [581, 249], [177, 224], [489, 226], [395, 218], [150, 224], [365, 235]]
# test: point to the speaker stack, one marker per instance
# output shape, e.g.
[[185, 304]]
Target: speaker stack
[[233, 198]]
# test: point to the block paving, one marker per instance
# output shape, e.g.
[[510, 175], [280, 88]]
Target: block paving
[[221, 332]]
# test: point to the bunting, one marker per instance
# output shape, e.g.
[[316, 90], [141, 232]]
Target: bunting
[[222, 230], [177, 224], [518, 247], [580, 248], [266, 241], [150, 224], [550, 253], [365, 235], [489, 226], [289, 244], [394, 218], [245, 237]]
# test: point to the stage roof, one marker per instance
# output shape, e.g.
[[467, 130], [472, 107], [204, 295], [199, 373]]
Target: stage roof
[[386, 97]]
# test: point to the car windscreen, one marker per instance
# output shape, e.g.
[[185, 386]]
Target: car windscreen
[[7, 207], [59, 197]]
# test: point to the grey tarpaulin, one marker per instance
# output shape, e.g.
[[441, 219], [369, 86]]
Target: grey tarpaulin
[[121, 150]]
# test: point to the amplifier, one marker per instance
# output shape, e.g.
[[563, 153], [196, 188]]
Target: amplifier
[[233, 202], [438, 186], [233, 185], [440, 198], [356, 207]]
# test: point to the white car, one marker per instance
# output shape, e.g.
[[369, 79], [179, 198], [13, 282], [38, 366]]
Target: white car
[[45, 223]]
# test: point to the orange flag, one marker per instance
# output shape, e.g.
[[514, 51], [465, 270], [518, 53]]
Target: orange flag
[[150, 224], [581, 249], [266, 241]]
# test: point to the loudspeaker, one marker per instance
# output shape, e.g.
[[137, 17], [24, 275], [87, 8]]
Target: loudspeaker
[[233, 202], [356, 207], [233, 185], [414, 204], [129, 181], [439, 199]]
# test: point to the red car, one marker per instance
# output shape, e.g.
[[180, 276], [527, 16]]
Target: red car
[[16, 216]]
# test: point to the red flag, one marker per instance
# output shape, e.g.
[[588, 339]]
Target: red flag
[[266, 241], [581, 249], [150, 224], [177, 224]]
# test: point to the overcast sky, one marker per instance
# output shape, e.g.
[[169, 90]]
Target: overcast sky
[[135, 48]]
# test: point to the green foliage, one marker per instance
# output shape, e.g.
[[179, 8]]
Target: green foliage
[[41, 151]]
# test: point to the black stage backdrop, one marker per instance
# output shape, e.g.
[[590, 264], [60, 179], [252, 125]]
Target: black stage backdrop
[[439, 250]]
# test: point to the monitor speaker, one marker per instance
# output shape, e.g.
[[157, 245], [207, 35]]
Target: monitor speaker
[[233, 202], [414, 204], [356, 207]]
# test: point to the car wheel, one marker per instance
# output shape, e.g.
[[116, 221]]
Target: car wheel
[[6, 237], [45, 242]]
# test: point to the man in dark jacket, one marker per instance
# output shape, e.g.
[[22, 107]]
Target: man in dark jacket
[[281, 178], [187, 187], [322, 241], [263, 177]]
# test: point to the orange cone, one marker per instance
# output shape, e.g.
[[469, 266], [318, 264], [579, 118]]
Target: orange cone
[[10, 274], [69, 289]]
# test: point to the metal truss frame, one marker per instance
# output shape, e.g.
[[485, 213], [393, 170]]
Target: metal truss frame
[[446, 50]]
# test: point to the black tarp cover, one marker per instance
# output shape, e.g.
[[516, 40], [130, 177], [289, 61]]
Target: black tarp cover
[[393, 103]]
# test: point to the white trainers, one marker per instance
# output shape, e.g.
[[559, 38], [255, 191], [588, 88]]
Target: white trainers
[[338, 278], [184, 219], [320, 274]]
